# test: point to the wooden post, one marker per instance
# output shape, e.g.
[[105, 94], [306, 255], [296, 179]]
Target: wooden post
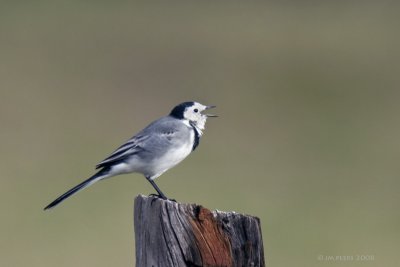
[[170, 234]]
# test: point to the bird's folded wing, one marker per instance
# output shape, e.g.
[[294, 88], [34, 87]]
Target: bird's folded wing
[[131, 147], [155, 139]]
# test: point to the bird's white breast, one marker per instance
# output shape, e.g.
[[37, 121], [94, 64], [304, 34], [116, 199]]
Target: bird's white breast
[[173, 156]]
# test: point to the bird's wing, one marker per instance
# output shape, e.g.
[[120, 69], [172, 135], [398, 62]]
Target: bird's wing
[[131, 147], [151, 140]]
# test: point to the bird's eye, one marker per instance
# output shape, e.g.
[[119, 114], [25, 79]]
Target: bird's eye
[[196, 110]]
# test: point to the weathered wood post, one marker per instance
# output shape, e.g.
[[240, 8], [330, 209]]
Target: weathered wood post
[[170, 234]]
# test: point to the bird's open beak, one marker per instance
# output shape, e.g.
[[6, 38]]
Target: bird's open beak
[[210, 115]]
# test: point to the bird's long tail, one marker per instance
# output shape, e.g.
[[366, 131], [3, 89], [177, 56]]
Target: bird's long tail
[[97, 177]]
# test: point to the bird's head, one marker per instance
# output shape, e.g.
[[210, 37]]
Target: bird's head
[[192, 112]]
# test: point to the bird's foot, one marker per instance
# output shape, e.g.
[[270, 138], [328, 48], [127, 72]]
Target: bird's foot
[[158, 196], [162, 197]]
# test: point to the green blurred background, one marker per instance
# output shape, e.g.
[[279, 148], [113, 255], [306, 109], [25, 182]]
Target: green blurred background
[[307, 139]]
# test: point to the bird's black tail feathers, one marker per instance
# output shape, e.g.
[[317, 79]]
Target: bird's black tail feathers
[[97, 177]]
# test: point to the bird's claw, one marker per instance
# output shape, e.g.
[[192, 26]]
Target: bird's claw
[[162, 197], [157, 196]]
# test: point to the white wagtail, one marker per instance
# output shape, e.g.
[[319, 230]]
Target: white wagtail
[[154, 150]]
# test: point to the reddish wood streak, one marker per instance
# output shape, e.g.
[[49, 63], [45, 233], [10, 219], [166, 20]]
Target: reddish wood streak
[[213, 244]]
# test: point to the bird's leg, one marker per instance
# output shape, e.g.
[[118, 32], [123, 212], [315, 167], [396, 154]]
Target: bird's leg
[[160, 193]]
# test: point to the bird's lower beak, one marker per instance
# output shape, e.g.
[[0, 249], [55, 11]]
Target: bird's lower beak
[[210, 115]]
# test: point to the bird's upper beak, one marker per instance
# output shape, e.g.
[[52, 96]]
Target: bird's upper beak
[[210, 115]]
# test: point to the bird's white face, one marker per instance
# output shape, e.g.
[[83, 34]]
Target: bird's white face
[[195, 115]]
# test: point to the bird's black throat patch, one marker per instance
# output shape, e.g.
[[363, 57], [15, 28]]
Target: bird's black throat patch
[[196, 136]]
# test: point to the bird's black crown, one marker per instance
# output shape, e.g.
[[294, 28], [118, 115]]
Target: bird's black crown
[[178, 111]]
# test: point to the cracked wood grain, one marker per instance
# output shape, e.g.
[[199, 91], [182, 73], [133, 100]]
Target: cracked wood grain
[[181, 235]]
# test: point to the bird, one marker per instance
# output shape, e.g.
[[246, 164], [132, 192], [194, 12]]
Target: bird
[[157, 148]]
